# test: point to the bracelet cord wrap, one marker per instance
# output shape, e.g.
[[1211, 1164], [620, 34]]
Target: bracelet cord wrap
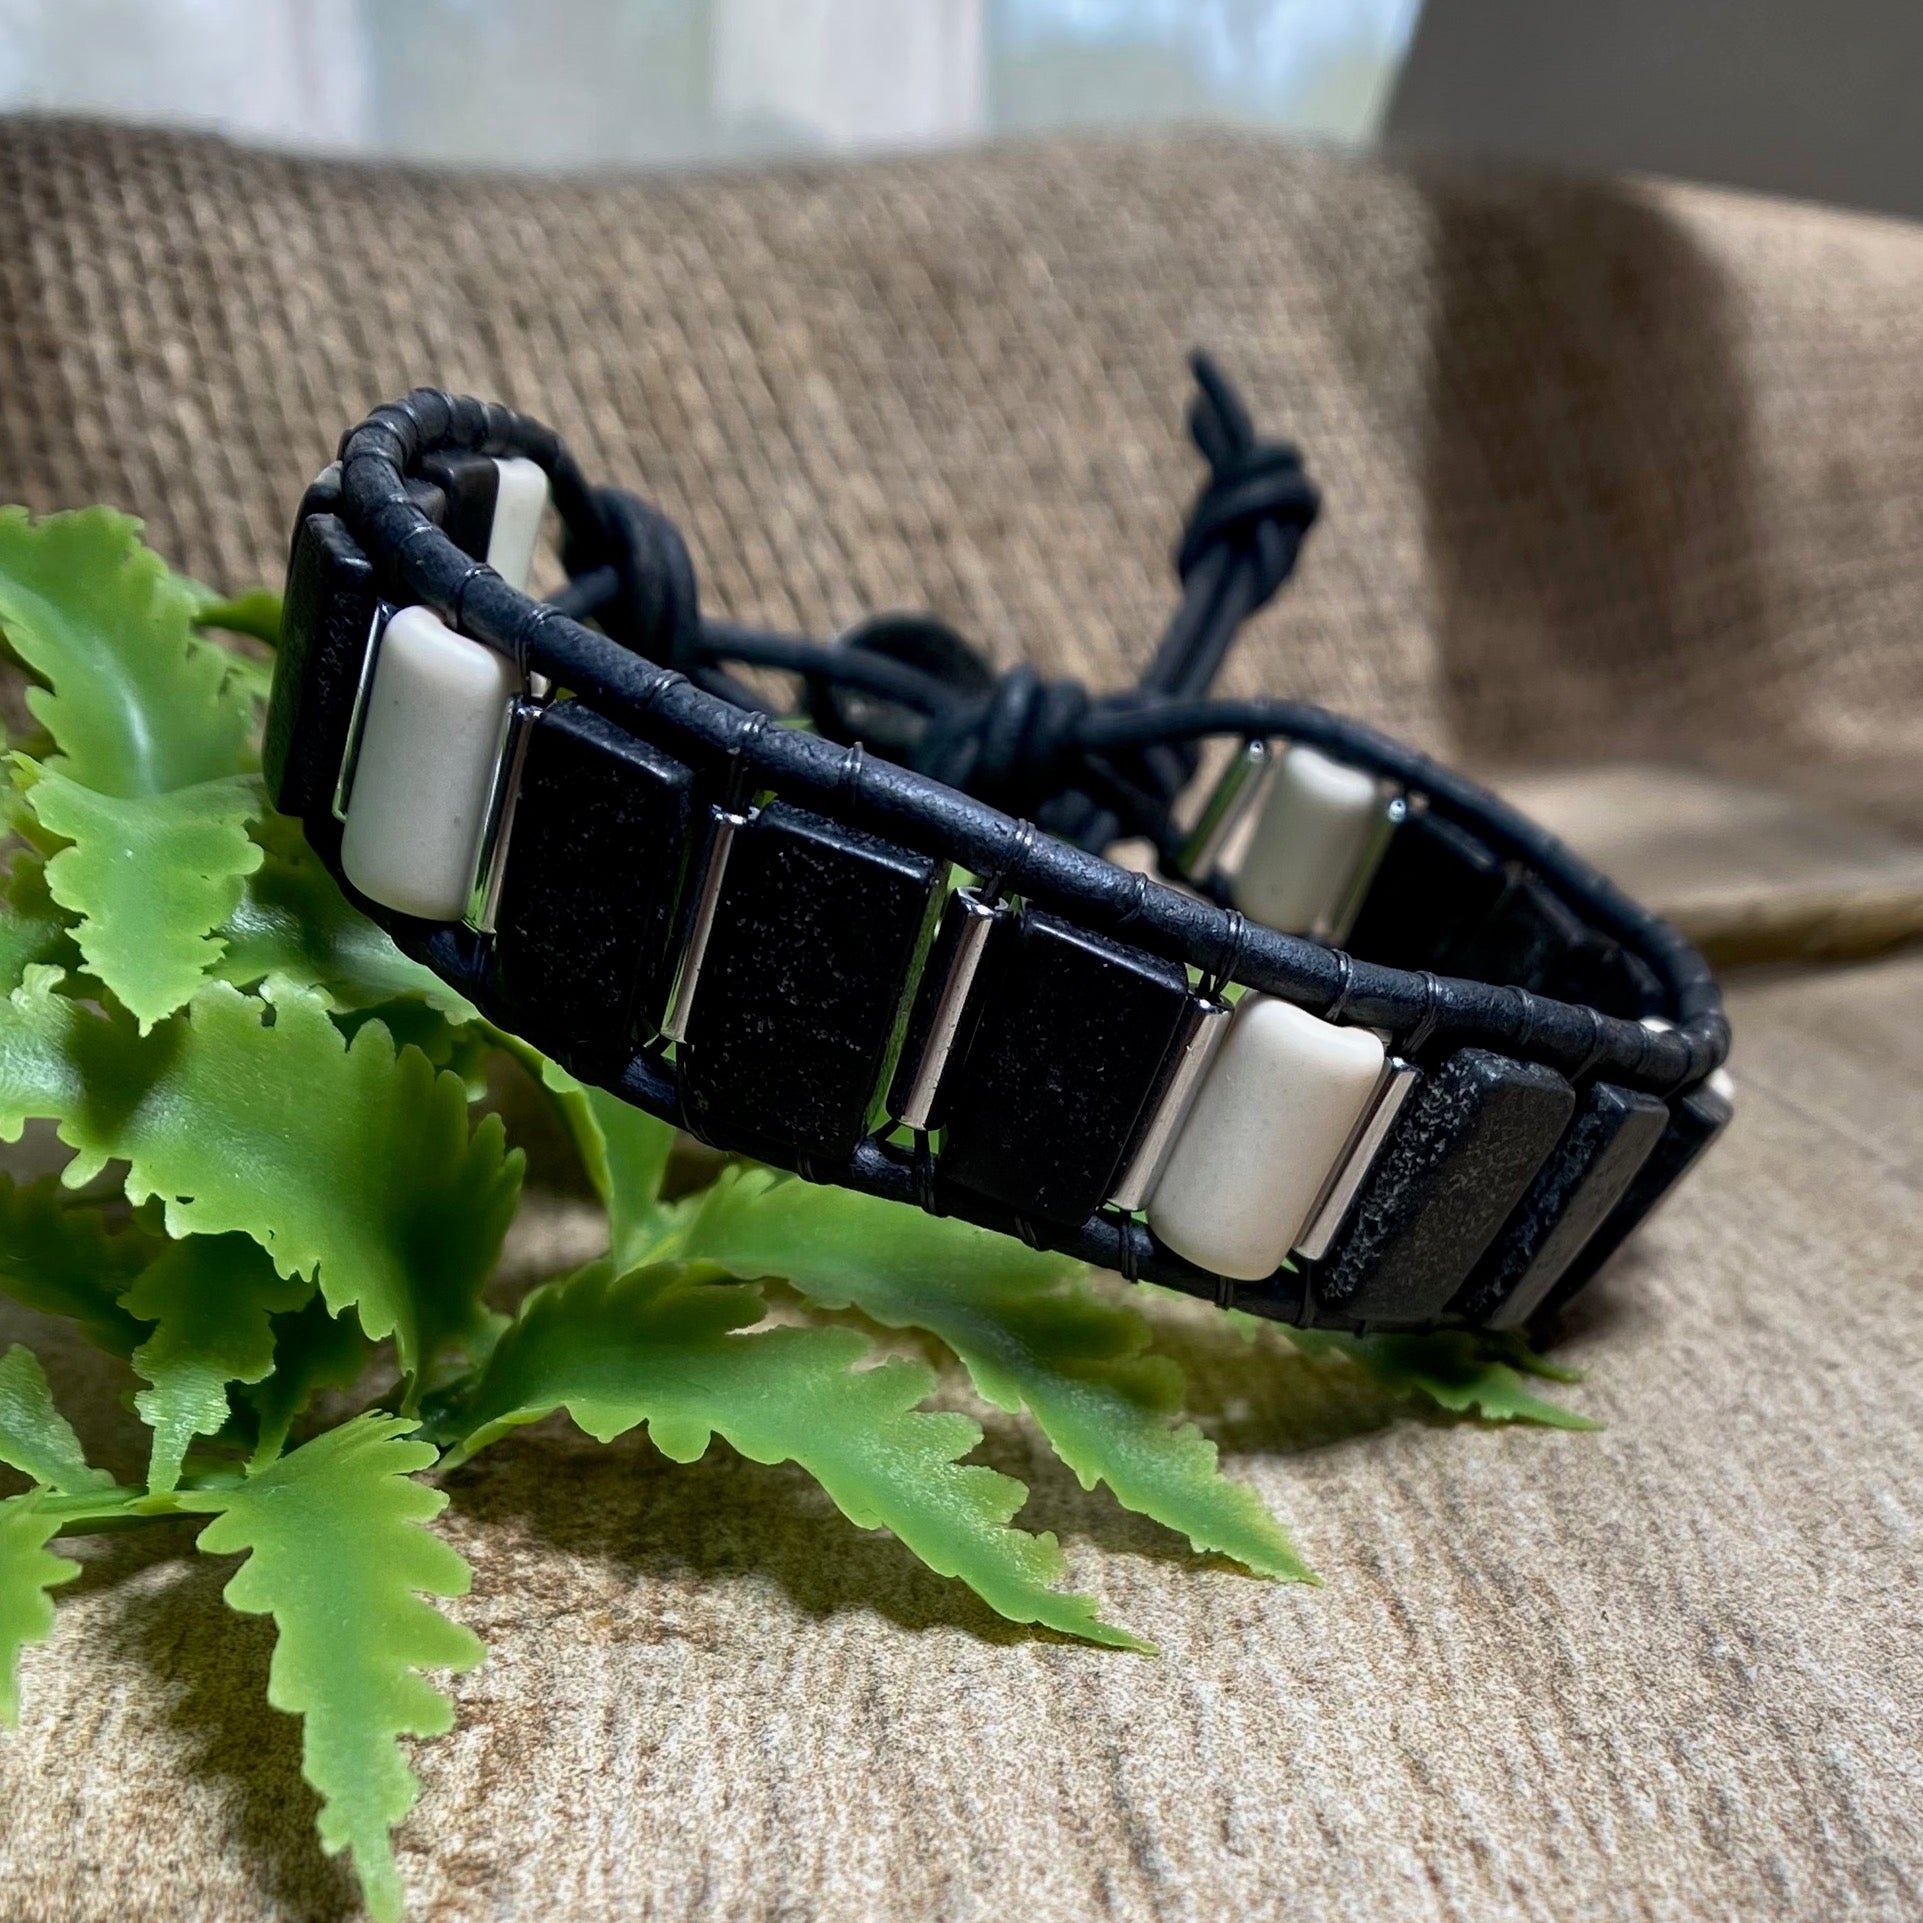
[[919, 751]]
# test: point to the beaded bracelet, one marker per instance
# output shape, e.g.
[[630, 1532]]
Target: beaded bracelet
[[1375, 1053]]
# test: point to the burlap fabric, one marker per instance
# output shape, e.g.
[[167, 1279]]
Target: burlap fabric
[[1610, 470]]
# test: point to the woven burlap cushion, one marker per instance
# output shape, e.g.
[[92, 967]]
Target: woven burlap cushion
[[1608, 470]]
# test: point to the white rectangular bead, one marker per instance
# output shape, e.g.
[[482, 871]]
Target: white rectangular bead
[[1278, 1108], [431, 740], [520, 500], [1319, 823]]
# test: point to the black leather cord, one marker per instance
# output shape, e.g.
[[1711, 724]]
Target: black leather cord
[[659, 668], [1016, 741], [1246, 529]]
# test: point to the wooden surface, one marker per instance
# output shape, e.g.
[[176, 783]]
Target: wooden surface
[[1671, 1670]]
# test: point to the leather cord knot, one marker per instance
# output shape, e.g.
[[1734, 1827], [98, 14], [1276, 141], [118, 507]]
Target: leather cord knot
[[1258, 500], [913, 690], [655, 608], [1014, 747]]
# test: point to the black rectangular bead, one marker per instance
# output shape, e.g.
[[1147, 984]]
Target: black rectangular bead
[[323, 496], [798, 1006], [596, 852], [1442, 900], [1520, 942], [1435, 881], [469, 485], [1072, 1039], [1613, 1135], [1532, 939], [1695, 1121], [1601, 973], [1467, 1146], [327, 619]]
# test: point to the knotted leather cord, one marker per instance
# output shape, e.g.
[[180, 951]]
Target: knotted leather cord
[[1028, 746], [1024, 737]]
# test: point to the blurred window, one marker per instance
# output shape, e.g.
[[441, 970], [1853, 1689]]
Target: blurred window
[[601, 82], [1323, 67]]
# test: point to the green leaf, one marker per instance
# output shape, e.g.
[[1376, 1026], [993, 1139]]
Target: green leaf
[[348, 1162], [56, 1257], [291, 920], [1027, 1331], [135, 701], [256, 613], [32, 927], [460, 1048], [664, 1346], [42, 1071], [1456, 1370], [152, 876], [35, 1437], [625, 1152], [1512, 1349], [27, 1571], [313, 1350], [338, 1556], [210, 1297]]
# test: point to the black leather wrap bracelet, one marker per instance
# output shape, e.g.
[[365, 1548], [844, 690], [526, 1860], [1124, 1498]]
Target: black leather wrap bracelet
[[886, 951]]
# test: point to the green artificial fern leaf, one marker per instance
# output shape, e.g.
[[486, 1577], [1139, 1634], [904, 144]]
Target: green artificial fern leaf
[[151, 876], [625, 1152], [291, 920], [210, 1298], [250, 677], [256, 613], [1456, 1370], [28, 1569], [150, 725], [461, 1048], [136, 703], [32, 927], [313, 1350], [338, 1556], [664, 1346], [348, 1162], [35, 1437], [1512, 1349], [56, 1257], [1027, 1331]]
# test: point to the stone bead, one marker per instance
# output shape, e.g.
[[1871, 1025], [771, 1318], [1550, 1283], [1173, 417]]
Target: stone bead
[[1435, 884], [430, 744], [1695, 1121], [1614, 1132], [1071, 1045], [1273, 1117], [596, 852], [520, 500], [467, 486], [1318, 825], [1457, 1162], [797, 1002], [328, 617]]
